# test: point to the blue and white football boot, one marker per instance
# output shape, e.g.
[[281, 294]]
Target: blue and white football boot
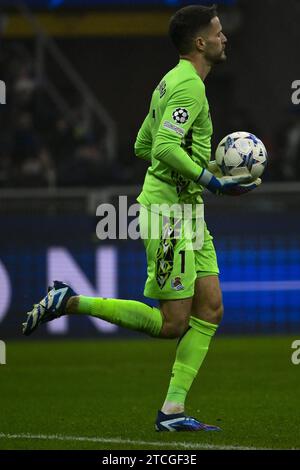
[[181, 422], [50, 307]]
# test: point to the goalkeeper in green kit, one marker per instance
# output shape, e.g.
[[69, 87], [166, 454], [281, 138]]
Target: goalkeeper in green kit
[[175, 138]]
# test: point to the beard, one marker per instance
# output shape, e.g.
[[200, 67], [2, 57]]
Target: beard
[[215, 59]]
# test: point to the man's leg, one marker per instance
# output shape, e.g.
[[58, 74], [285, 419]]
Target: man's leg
[[163, 322], [206, 314], [169, 321]]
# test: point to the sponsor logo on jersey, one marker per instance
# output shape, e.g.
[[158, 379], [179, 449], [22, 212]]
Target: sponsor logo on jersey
[[172, 127], [180, 115]]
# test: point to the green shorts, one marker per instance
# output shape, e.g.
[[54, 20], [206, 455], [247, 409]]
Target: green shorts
[[173, 265]]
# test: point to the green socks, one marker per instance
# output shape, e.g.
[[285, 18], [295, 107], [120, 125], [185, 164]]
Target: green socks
[[127, 313], [191, 351]]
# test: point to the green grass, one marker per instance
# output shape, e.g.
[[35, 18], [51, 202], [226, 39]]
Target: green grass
[[111, 390]]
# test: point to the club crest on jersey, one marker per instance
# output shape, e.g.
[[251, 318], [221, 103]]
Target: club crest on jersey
[[180, 115], [176, 283]]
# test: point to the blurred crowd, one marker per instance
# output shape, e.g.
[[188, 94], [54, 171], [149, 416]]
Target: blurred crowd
[[39, 145], [42, 147]]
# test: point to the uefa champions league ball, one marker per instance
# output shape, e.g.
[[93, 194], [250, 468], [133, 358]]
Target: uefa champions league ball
[[241, 153]]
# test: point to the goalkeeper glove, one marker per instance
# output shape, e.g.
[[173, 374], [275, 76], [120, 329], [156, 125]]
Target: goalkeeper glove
[[229, 185]]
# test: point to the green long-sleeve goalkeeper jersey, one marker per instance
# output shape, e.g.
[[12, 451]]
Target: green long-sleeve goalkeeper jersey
[[176, 138]]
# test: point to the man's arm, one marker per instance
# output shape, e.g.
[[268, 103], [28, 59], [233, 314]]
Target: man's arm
[[189, 98], [143, 143], [167, 145]]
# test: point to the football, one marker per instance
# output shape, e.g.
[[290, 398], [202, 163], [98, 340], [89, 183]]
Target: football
[[241, 153]]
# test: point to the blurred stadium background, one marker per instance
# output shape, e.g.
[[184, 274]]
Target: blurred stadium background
[[79, 76]]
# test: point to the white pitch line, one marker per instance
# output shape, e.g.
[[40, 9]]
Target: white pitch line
[[117, 440]]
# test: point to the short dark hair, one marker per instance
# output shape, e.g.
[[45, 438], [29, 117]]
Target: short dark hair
[[187, 22]]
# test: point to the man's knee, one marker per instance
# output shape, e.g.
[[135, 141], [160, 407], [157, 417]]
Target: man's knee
[[174, 329], [216, 312], [212, 311], [176, 314]]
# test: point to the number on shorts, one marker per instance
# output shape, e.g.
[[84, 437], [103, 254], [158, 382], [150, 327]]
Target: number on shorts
[[182, 254]]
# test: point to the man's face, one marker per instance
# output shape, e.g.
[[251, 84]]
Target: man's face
[[214, 42]]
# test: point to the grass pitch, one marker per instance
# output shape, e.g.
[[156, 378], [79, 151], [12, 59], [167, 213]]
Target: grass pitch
[[105, 394]]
